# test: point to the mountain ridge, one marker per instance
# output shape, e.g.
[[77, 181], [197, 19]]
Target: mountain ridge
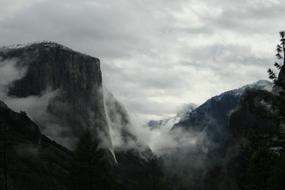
[[232, 99]]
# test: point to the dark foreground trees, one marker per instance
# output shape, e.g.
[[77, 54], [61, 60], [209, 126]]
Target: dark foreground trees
[[3, 158], [279, 79], [90, 169], [262, 160]]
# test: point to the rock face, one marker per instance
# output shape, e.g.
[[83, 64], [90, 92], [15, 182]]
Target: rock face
[[76, 80], [119, 121], [66, 87], [32, 161]]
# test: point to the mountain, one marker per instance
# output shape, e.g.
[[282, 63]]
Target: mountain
[[212, 117], [203, 136], [214, 112], [254, 152], [75, 80], [55, 94], [31, 160], [64, 92]]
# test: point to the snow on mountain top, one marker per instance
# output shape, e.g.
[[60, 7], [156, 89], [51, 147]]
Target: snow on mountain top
[[171, 121], [261, 85]]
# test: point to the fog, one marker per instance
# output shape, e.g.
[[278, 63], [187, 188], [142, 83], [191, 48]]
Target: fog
[[179, 149]]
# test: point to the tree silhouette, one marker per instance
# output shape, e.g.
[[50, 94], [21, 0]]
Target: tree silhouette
[[3, 141], [272, 75], [280, 55]]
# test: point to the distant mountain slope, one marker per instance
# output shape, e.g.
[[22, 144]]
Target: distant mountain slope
[[203, 139], [212, 116], [33, 161], [254, 152], [171, 121]]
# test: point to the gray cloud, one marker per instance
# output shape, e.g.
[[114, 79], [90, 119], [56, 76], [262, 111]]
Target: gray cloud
[[9, 71], [157, 55]]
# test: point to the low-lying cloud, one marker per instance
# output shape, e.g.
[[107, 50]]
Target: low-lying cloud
[[35, 106], [9, 71]]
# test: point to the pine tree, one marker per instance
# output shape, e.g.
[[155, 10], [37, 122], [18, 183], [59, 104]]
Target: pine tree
[[280, 55], [272, 75]]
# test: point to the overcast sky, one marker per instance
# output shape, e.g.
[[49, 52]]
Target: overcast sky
[[157, 55]]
